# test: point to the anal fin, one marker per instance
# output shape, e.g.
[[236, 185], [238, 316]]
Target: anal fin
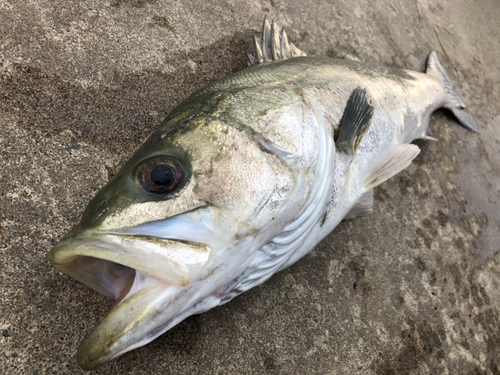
[[400, 158], [362, 207]]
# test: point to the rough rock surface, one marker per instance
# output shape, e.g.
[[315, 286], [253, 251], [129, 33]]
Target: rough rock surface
[[82, 85]]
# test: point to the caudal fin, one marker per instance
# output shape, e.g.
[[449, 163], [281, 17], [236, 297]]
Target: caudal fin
[[455, 105]]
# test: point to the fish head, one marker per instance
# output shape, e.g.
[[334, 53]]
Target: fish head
[[177, 223]]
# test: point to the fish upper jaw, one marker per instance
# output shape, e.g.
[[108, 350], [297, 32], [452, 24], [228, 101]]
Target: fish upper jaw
[[173, 261], [175, 250]]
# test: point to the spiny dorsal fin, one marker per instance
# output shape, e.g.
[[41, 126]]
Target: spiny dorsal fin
[[355, 122], [362, 207], [395, 162], [273, 46]]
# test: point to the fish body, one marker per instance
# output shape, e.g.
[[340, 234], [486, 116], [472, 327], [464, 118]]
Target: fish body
[[242, 180]]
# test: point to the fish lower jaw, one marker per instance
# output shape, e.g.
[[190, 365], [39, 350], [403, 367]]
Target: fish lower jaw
[[116, 268], [130, 324]]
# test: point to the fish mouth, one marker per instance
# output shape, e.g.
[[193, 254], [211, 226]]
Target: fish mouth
[[142, 273]]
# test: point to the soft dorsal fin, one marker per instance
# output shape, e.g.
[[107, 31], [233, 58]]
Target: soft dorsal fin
[[273, 46], [362, 207], [355, 122], [395, 162]]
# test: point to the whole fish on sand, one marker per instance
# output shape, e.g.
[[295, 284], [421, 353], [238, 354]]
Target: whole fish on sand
[[242, 180]]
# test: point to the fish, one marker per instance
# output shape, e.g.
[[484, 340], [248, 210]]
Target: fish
[[243, 179]]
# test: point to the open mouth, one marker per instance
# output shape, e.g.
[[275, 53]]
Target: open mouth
[[111, 279], [140, 272]]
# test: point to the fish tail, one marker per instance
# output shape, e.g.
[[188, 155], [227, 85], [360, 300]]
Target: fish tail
[[455, 104]]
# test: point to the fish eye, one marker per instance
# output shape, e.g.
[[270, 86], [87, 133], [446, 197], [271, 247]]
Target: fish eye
[[160, 175]]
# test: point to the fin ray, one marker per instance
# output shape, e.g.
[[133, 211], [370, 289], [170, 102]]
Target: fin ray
[[258, 49], [275, 41], [266, 40], [355, 122], [429, 138], [362, 207], [273, 46], [400, 158], [284, 45]]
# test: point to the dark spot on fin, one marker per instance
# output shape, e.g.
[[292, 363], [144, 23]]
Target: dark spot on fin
[[355, 122]]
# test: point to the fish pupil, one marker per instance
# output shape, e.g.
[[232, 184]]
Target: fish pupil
[[162, 175]]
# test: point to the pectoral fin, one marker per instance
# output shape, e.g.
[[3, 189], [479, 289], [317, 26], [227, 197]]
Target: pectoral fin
[[395, 162], [355, 122]]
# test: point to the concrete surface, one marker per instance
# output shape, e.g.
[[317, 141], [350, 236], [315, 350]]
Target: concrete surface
[[82, 85]]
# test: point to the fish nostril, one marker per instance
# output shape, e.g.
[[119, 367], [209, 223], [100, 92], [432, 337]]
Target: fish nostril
[[104, 202]]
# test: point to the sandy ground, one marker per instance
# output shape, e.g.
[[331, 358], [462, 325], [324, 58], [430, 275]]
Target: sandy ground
[[83, 84]]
